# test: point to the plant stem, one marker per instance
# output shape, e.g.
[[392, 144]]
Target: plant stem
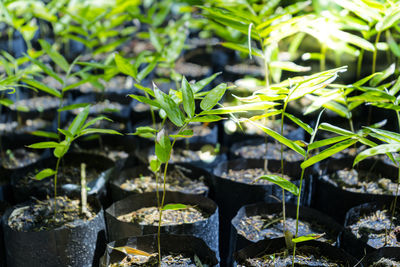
[[378, 35], [83, 188], [55, 186], [359, 63], [395, 199], [322, 60], [282, 170]]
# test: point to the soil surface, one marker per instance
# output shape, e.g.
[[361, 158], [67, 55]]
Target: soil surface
[[176, 181], [384, 262], [36, 103], [151, 216], [373, 229], [27, 126], [168, 260], [40, 215], [249, 176], [361, 182], [67, 175], [18, 158], [270, 226], [102, 107], [270, 151], [206, 153], [305, 256]]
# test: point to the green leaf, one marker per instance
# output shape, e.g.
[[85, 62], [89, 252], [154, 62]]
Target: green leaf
[[198, 86], [42, 87], [281, 182], [170, 107], [45, 69], [43, 145], [44, 174], [155, 41], [75, 85], [242, 48], [382, 76], [149, 68], [387, 134], [188, 98], [61, 149], [125, 66], [303, 125], [93, 121], [73, 106], [155, 165], [212, 98], [329, 141], [380, 149], [328, 152], [175, 207], [389, 20], [263, 105], [78, 121], [305, 238], [145, 100], [145, 131], [365, 80], [183, 134], [289, 66], [54, 55], [163, 148], [65, 132], [283, 140], [206, 118], [334, 129], [98, 131], [45, 134]]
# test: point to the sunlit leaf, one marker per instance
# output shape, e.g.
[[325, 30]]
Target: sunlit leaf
[[281, 182]]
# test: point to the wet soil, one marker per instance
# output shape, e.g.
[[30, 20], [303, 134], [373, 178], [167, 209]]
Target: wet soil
[[270, 226], [168, 260], [270, 151], [373, 228], [18, 158], [150, 216], [40, 216], [305, 256], [249, 176], [176, 181], [362, 182]]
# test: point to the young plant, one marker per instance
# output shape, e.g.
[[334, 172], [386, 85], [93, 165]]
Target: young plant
[[79, 127], [179, 108]]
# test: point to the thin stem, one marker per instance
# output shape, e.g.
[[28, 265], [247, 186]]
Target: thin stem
[[282, 170], [55, 187], [395, 199], [378, 35], [322, 60]]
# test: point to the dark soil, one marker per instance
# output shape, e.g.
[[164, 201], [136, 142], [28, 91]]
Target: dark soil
[[270, 226], [274, 152], [67, 175], [361, 182], [384, 262], [40, 215], [36, 103], [176, 181], [150, 216], [18, 158], [168, 260], [305, 256], [249, 176], [373, 228]]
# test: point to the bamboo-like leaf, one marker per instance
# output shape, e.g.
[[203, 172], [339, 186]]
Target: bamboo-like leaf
[[93, 121], [388, 134], [170, 107], [155, 41], [212, 98], [329, 141], [334, 129], [44, 174], [382, 76], [42, 87], [44, 145], [45, 69], [183, 134], [78, 121], [188, 98], [125, 66], [366, 79], [65, 132], [145, 100], [328, 152], [206, 118], [73, 106], [389, 20], [289, 66], [54, 55], [264, 105], [45, 134], [377, 150], [131, 251], [175, 207], [198, 86], [386, 106], [373, 96], [300, 123], [305, 238], [98, 131], [281, 182], [242, 48], [75, 85], [163, 147], [146, 71], [395, 88], [62, 148], [145, 89], [280, 138]]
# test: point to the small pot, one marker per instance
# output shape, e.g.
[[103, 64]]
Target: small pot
[[79, 246], [206, 229], [194, 173], [358, 244], [391, 253], [3, 207], [326, 224], [333, 200], [189, 246], [42, 189], [44, 107], [232, 195], [271, 246]]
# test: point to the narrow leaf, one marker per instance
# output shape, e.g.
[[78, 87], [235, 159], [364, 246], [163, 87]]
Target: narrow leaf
[[188, 98], [54, 55], [44, 174], [281, 182], [212, 98], [174, 207]]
